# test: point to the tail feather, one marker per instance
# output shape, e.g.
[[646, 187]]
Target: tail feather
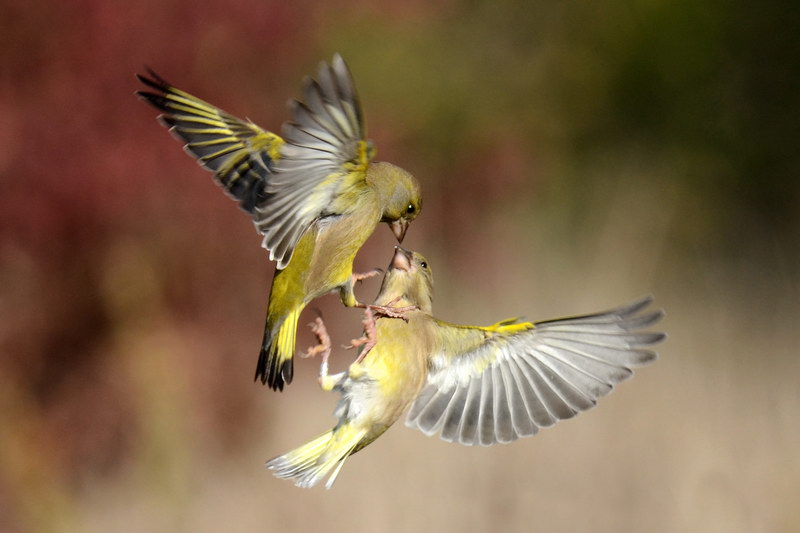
[[275, 366], [323, 456]]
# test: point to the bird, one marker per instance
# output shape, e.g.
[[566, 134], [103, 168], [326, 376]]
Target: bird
[[473, 385], [314, 192]]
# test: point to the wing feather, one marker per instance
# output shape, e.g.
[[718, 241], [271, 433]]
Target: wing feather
[[238, 152], [323, 157], [284, 183], [472, 408], [452, 418], [520, 423], [503, 424], [511, 379], [486, 436]]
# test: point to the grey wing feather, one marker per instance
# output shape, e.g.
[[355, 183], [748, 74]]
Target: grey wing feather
[[284, 195], [321, 138], [534, 378], [236, 151]]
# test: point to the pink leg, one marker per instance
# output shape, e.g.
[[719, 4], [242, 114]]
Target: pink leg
[[370, 337], [392, 312], [324, 346], [361, 276]]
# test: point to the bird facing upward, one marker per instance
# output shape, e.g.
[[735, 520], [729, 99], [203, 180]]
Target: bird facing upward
[[314, 193], [473, 384]]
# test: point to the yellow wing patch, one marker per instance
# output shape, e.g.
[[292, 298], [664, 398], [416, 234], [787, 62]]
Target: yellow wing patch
[[240, 153], [509, 326]]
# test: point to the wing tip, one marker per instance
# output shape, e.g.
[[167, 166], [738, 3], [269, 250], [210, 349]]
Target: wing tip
[[154, 81], [635, 306]]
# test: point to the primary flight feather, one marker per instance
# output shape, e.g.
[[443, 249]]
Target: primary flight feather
[[314, 193], [475, 385]]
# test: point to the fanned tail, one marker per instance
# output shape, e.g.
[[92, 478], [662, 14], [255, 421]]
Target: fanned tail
[[323, 456], [275, 367]]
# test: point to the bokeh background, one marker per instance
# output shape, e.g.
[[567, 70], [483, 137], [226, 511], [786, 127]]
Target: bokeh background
[[573, 156]]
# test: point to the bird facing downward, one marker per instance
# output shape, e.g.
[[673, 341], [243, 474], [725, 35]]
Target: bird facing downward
[[473, 384], [315, 194]]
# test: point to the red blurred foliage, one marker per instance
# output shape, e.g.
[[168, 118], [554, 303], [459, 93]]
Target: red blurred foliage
[[84, 167], [92, 184]]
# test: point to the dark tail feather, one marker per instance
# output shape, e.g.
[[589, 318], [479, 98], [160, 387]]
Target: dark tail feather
[[275, 366], [271, 372]]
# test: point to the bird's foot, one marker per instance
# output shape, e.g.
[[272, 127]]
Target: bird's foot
[[324, 346], [361, 276], [370, 337], [328, 383], [389, 311]]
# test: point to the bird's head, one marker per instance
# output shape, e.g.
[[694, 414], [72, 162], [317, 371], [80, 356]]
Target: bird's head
[[408, 281], [399, 193]]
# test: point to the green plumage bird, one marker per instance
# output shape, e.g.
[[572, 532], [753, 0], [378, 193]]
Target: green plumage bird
[[314, 192], [475, 385]]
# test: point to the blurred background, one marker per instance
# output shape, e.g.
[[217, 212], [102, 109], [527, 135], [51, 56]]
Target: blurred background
[[573, 156]]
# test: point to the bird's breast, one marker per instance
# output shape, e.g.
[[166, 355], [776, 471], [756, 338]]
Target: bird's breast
[[396, 367], [337, 239]]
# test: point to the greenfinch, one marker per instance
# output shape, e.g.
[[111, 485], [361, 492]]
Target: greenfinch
[[314, 192], [472, 384]]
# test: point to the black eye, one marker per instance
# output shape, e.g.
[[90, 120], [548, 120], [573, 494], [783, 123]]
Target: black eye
[[424, 264], [410, 208]]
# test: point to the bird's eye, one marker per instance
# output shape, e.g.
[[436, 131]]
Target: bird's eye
[[424, 264], [410, 208]]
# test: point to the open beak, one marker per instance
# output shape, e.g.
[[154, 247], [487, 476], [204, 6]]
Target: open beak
[[401, 259], [399, 228]]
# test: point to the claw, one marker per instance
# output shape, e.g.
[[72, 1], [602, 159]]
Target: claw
[[327, 382], [324, 346], [371, 312], [356, 277], [393, 312], [370, 337]]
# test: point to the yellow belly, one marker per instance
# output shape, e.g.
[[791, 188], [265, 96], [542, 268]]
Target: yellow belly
[[395, 368], [323, 259]]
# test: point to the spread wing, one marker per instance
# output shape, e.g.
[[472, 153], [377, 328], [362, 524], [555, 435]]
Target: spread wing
[[325, 156], [284, 183], [507, 381], [239, 153]]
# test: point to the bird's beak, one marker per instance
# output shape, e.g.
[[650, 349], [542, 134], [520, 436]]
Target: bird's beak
[[401, 259], [399, 228]]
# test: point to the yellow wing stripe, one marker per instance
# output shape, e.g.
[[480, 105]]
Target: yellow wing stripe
[[200, 120], [190, 100], [359, 164], [206, 131], [212, 142], [194, 111], [269, 141], [509, 327], [275, 143], [222, 152]]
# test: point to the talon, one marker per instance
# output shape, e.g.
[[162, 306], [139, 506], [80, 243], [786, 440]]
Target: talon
[[357, 277], [355, 343], [324, 346], [393, 312], [370, 337]]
